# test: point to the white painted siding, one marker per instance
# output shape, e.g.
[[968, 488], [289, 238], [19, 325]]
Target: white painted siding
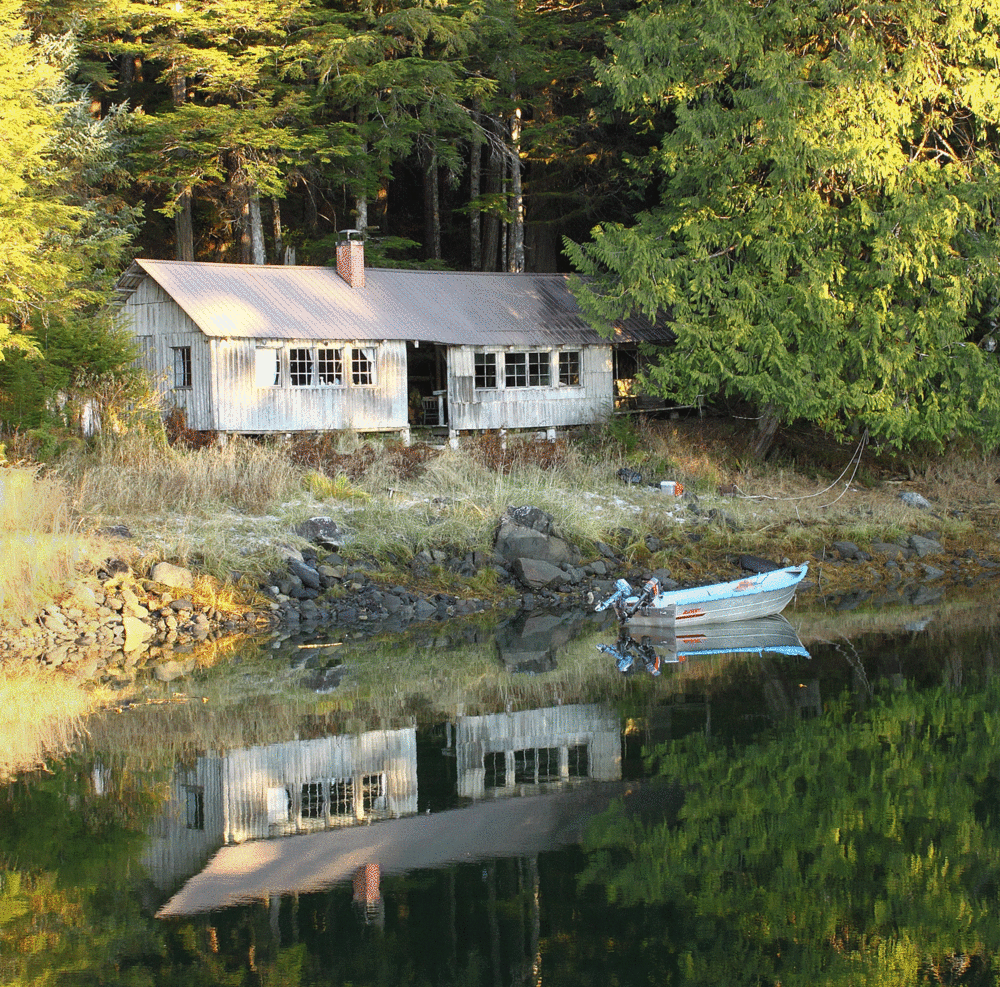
[[263, 787], [160, 324], [528, 407], [573, 743], [242, 405]]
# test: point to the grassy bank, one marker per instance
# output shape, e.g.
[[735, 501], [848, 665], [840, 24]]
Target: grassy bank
[[227, 509]]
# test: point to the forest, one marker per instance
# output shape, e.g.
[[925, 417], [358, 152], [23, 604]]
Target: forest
[[805, 188]]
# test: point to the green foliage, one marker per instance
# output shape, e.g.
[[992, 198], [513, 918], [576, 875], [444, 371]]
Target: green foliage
[[823, 236], [855, 850], [61, 222]]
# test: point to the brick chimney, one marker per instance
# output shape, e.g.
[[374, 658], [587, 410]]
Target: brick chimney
[[351, 258]]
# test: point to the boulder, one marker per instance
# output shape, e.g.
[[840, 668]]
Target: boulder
[[137, 633], [924, 546], [528, 533], [322, 531], [174, 576], [912, 499], [537, 574]]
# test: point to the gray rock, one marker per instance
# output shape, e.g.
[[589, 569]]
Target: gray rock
[[537, 573], [924, 546], [912, 499], [846, 549], [306, 574], [539, 540], [890, 550], [174, 576], [322, 531]]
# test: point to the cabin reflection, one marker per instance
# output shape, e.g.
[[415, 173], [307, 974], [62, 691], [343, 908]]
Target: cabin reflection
[[298, 786], [505, 754]]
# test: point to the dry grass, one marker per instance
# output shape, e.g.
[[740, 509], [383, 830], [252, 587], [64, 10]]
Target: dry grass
[[41, 717], [42, 545], [130, 478]]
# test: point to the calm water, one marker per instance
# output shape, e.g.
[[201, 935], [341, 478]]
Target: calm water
[[502, 807]]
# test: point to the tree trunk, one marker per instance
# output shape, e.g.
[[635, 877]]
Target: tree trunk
[[239, 207], [183, 219], [432, 205], [361, 213], [767, 429], [515, 260], [475, 216], [494, 186], [258, 255], [279, 246]]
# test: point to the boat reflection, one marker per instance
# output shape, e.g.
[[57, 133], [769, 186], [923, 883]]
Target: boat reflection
[[668, 646]]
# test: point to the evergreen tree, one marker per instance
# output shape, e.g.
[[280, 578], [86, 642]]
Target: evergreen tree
[[823, 236]]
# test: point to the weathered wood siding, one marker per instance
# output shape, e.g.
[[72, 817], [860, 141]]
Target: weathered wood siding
[[585, 737], [263, 787], [181, 842], [241, 405], [528, 407], [160, 325]]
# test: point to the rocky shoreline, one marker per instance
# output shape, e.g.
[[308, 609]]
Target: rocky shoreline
[[119, 621]]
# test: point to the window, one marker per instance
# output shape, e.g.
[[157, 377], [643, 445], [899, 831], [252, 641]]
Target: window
[[330, 367], [579, 762], [486, 370], [194, 796], [524, 766], [495, 767], [342, 797], [300, 367], [313, 800], [372, 793], [548, 763], [268, 367], [529, 369], [363, 365], [182, 366], [569, 368]]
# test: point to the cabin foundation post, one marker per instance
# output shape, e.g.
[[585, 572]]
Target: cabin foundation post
[[404, 437], [550, 434]]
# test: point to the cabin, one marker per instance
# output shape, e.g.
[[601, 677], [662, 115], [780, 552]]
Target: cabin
[[252, 349]]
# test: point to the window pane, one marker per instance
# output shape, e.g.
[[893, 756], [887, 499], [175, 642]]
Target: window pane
[[182, 366], [495, 768], [486, 370], [313, 800], [342, 797], [329, 367], [516, 366], [300, 367], [268, 368], [538, 369], [569, 368], [363, 365]]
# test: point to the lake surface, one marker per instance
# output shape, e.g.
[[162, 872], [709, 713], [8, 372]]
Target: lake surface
[[483, 806]]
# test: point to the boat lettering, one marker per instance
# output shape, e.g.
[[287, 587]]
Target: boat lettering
[[693, 612]]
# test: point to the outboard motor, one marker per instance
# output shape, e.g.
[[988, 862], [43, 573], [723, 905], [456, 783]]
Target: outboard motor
[[622, 589]]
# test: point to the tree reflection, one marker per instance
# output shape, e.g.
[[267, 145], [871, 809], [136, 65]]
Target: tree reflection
[[854, 849]]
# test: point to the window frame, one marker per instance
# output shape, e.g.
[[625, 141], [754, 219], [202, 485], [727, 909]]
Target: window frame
[[364, 366], [259, 369], [528, 368], [323, 364], [295, 365], [182, 363], [569, 367], [483, 373]]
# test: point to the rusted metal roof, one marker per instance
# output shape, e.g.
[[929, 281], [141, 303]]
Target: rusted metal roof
[[453, 308]]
